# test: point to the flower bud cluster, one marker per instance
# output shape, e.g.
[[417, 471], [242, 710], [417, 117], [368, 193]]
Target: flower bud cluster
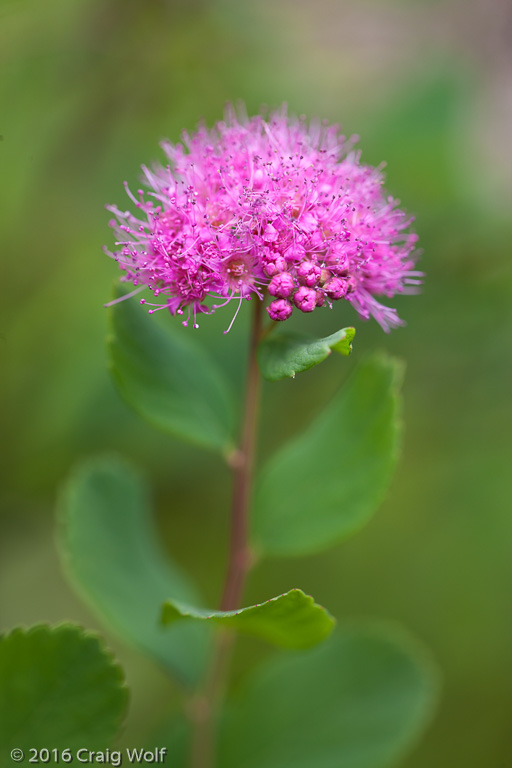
[[255, 206]]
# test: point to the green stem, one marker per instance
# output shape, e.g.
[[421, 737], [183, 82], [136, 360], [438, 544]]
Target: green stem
[[207, 704]]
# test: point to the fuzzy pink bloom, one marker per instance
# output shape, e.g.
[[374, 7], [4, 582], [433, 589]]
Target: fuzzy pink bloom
[[266, 203]]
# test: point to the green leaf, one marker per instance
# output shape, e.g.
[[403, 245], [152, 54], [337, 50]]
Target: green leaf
[[168, 380], [292, 620], [59, 688], [111, 552], [282, 355], [360, 700], [328, 482]]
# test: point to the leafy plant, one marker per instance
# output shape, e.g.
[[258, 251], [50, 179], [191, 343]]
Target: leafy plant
[[253, 220]]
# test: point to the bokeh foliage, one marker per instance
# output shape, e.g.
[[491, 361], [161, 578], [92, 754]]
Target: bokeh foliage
[[87, 90]]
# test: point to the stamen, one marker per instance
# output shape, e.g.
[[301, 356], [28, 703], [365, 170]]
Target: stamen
[[126, 296], [235, 315]]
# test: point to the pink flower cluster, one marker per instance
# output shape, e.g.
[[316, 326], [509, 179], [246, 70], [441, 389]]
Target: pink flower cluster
[[257, 205]]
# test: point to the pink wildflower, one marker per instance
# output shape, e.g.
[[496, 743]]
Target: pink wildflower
[[275, 204]]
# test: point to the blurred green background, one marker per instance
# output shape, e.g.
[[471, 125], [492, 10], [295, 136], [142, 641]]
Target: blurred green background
[[88, 88]]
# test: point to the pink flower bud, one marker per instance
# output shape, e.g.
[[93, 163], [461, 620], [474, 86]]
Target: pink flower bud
[[320, 299], [309, 273], [281, 285], [351, 285], [338, 265], [294, 253], [270, 269], [305, 299], [336, 288], [279, 309]]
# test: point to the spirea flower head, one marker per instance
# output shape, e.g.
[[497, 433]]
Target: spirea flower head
[[258, 205]]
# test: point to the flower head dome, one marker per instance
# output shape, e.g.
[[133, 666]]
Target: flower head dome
[[256, 205]]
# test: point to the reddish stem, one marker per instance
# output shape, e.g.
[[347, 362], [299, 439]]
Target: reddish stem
[[243, 465], [207, 705]]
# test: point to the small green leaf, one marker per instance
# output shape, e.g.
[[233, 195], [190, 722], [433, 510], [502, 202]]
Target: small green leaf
[[360, 700], [59, 688], [111, 552], [169, 380], [292, 620], [282, 355], [327, 483]]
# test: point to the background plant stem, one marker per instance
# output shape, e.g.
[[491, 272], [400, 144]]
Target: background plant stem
[[207, 704]]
